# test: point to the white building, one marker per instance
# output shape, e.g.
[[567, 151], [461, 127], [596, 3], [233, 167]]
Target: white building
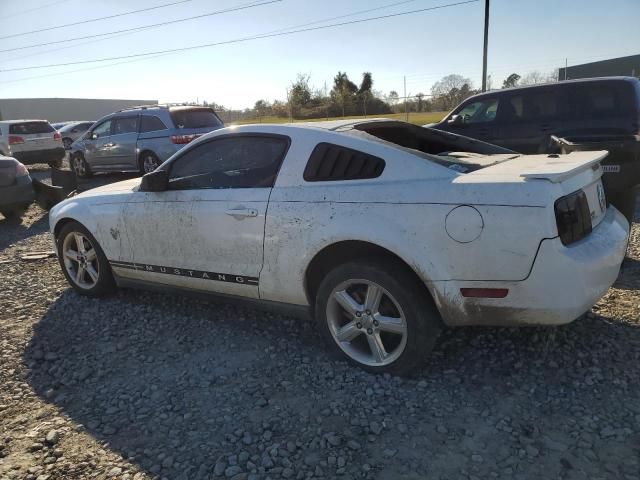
[[63, 109]]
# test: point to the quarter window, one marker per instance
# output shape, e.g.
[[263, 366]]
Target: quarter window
[[151, 123], [230, 162], [125, 125]]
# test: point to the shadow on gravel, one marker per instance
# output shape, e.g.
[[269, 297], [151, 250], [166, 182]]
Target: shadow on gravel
[[13, 230], [177, 386], [630, 275]]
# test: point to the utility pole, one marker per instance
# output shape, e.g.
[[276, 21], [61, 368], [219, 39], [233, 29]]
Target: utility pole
[[326, 99], [406, 112], [486, 45]]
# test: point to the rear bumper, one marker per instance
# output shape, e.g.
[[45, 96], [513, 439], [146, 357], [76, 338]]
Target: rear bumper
[[40, 156], [564, 282], [19, 195]]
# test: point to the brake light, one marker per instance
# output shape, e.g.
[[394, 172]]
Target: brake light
[[573, 217], [21, 170], [57, 137], [15, 140], [182, 139]]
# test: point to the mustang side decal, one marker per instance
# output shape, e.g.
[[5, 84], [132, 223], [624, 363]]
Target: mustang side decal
[[184, 272]]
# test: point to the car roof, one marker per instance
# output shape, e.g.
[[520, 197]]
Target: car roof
[[9, 122], [561, 82]]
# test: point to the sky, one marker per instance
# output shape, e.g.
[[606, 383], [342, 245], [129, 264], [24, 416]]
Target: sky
[[422, 47]]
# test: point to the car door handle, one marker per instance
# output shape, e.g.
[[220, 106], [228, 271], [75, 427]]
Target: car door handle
[[242, 212]]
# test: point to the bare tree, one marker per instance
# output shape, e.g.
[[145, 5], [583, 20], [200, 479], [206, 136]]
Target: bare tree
[[451, 90], [532, 78]]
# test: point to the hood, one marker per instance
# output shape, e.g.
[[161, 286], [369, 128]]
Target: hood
[[112, 188]]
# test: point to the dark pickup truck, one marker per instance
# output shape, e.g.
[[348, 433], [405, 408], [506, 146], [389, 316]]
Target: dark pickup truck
[[587, 114]]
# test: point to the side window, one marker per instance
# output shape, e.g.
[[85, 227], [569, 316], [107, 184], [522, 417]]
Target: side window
[[151, 123], [330, 162], [595, 99], [482, 111], [125, 125], [230, 162], [511, 109], [542, 105], [103, 129]]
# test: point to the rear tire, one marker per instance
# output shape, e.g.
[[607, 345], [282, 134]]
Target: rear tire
[[80, 166], [378, 316], [148, 162], [83, 262]]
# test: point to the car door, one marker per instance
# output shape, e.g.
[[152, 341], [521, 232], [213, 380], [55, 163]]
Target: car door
[[124, 137], [527, 119], [206, 231], [97, 144]]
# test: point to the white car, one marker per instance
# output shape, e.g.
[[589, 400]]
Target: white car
[[378, 228], [31, 141]]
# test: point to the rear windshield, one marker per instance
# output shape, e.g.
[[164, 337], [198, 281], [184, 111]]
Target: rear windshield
[[30, 128], [452, 151], [200, 118]]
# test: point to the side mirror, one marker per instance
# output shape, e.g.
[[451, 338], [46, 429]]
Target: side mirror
[[93, 136], [156, 181], [456, 120]]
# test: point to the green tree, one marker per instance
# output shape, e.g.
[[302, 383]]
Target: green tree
[[343, 91]]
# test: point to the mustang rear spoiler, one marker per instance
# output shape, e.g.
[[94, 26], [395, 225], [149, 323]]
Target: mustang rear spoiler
[[557, 168]]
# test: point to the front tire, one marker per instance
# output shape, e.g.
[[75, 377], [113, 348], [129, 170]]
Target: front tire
[[80, 166], [378, 316], [83, 262]]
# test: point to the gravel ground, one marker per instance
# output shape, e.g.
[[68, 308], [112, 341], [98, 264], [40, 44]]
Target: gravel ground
[[143, 385]]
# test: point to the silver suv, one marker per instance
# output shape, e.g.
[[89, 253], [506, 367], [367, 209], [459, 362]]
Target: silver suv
[[31, 141], [139, 139]]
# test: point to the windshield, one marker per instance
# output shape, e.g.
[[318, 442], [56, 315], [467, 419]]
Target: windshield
[[30, 128], [456, 152], [195, 118]]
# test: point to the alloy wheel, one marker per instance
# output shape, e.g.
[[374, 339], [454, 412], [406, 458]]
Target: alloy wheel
[[366, 322], [80, 260], [78, 166]]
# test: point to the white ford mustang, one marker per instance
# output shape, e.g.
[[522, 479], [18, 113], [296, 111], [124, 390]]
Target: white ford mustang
[[384, 231]]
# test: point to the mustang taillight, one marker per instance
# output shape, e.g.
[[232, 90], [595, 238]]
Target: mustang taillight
[[57, 137], [15, 140], [573, 217]]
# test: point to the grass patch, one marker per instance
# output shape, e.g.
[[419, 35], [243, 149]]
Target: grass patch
[[416, 118]]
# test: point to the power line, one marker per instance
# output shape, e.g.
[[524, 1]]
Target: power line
[[144, 27], [239, 40], [126, 32], [91, 20]]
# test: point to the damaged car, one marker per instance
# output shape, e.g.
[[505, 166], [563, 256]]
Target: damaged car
[[384, 231]]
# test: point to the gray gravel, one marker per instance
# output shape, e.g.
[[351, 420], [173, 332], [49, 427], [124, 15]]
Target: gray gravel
[[142, 385]]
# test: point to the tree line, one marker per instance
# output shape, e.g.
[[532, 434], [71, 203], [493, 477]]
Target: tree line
[[348, 98]]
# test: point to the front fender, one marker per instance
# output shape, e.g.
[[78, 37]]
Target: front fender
[[103, 220]]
